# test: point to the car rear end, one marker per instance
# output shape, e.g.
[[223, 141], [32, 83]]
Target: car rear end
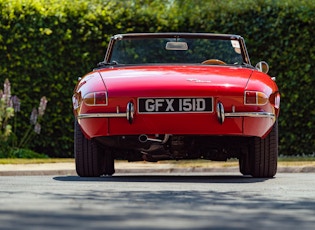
[[142, 103]]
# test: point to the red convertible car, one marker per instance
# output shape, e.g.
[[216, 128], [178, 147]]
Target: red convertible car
[[162, 96]]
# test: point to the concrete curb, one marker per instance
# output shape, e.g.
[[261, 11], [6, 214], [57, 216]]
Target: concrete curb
[[129, 168]]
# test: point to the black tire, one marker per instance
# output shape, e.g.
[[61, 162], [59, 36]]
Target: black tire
[[262, 158], [90, 159], [244, 164]]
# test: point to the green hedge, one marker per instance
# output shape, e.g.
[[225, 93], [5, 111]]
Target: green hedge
[[45, 45]]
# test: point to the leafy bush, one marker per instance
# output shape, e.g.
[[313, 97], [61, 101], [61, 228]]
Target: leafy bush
[[21, 153], [45, 45]]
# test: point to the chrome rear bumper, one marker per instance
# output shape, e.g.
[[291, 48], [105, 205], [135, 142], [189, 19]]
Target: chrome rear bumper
[[222, 115], [250, 114], [129, 114]]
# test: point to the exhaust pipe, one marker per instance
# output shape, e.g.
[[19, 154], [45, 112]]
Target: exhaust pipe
[[144, 138]]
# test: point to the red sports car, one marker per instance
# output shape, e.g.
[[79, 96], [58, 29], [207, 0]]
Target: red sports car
[[162, 96]]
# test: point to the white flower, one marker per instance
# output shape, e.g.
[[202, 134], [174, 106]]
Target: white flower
[[37, 128], [34, 115], [42, 106]]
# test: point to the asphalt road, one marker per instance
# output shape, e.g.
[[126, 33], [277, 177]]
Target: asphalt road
[[160, 201]]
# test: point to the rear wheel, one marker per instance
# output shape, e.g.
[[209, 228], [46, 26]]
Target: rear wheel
[[262, 157], [91, 159], [244, 164]]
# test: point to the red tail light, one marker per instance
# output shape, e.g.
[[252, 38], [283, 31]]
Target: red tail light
[[255, 98], [95, 98]]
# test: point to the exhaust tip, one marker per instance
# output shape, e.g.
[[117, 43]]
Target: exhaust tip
[[143, 138]]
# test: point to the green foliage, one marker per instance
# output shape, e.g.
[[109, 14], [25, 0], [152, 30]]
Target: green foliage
[[45, 45], [21, 153]]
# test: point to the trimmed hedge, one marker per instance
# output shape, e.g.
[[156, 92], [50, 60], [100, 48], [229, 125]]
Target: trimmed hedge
[[45, 45]]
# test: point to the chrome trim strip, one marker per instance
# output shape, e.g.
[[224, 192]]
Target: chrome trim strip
[[102, 115], [250, 114], [129, 114]]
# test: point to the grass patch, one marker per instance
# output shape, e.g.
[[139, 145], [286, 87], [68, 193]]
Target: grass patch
[[296, 158], [199, 163], [35, 161]]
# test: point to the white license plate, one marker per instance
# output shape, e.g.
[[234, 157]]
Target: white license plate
[[175, 105]]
